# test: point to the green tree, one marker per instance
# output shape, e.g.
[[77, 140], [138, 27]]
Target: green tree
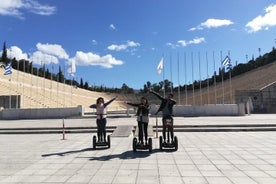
[[4, 57], [86, 86], [81, 83], [126, 89], [60, 75]]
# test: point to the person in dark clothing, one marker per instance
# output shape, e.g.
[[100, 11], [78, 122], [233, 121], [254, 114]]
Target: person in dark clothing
[[142, 119], [167, 113], [101, 113]]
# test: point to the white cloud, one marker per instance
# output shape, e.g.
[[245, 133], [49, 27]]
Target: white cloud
[[212, 23], [37, 8], [41, 58], [184, 43], [94, 42], [17, 8], [123, 46], [173, 46], [52, 49], [263, 22], [17, 53], [197, 40], [89, 58], [111, 26], [51, 53]]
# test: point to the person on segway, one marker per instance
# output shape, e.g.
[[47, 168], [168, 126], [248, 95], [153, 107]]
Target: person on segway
[[101, 113], [142, 119], [167, 114]]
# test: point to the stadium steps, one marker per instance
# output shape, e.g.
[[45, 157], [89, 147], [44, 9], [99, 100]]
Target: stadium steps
[[221, 128], [125, 131], [53, 130]]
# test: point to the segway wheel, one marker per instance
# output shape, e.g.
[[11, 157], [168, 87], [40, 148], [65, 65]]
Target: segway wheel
[[175, 143], [108, 141], [160, 142], [134, 143], [94, 142], [150, 145]]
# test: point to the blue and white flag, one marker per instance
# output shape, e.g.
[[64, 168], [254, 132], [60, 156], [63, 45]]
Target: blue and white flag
[[8, 69], [227, 63]]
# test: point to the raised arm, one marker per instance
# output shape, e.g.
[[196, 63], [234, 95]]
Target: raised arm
[[109, 102], [94, 106], [157, 95], [133, 104]]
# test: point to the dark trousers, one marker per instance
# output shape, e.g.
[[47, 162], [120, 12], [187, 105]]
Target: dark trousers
[[101, 129], [143, 129], [167, 128]]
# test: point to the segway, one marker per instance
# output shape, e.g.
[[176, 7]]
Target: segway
[[101, 144], [137, 146], [165, 144]]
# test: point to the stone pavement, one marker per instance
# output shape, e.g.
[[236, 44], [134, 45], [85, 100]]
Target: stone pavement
[[236, 157]]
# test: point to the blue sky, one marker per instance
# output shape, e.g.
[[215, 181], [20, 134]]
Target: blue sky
[[115, 42]]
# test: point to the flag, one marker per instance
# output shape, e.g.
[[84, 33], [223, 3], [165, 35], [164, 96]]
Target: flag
[[227, 63], [72, 69], [160, 66], [8, 69]]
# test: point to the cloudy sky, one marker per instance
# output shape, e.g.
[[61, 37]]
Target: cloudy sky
[[123, 41]]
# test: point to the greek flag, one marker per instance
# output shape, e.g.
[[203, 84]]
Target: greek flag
[[160, 66], [8, 69], [227, 63]]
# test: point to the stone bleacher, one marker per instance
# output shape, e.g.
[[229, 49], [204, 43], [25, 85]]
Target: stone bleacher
[[37, 92]]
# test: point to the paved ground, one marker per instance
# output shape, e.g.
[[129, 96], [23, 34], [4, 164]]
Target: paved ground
[[237, 157]]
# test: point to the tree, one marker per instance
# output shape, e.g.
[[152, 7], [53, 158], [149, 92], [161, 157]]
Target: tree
[[147, 87], [126, 89], [4, 56], [86, 86], [60, 75], [81, 83]]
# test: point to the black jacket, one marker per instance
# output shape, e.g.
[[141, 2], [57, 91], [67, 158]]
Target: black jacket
[[144, 109], [164, 101]]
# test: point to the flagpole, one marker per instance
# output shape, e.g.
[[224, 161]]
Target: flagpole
[[43, 80], [17, 84], [71, 90], [178, 78], [222, 71], [8, 71], [10, 79], [51, 65], [31, 81], [164, 75], [208, 100], [215, 77], [23, 83], [57, 88], [185, 68], [171, 72], [37, 83], [230, 78], [64, 94], [10, 92], [199, 78], [192, 59]]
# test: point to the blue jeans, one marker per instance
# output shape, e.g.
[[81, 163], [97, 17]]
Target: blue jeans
[[101, 129], [143, 129], [167, 128]]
